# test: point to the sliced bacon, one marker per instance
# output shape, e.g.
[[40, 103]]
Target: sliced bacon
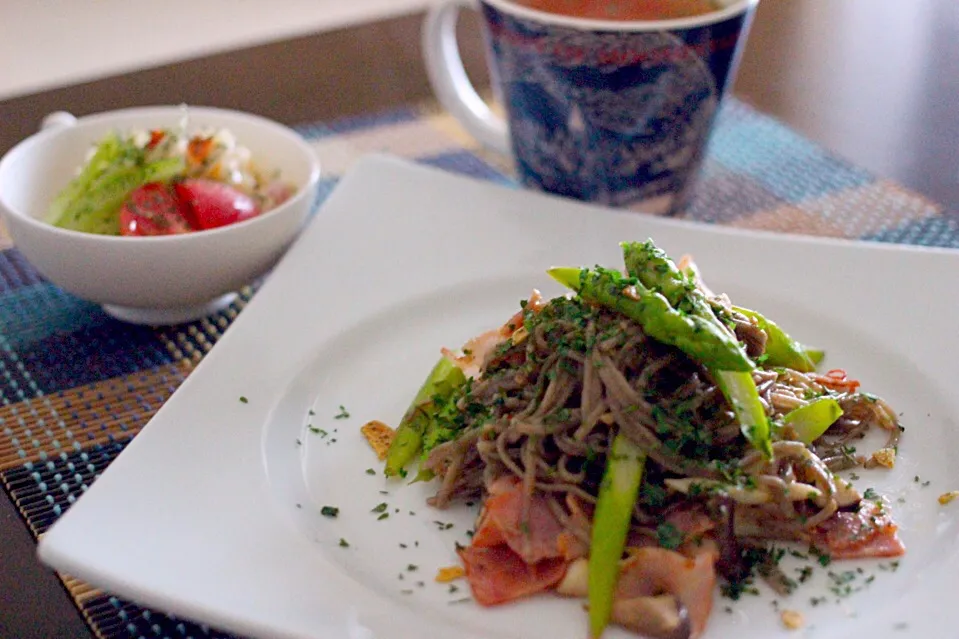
[[476, 350], [870, 532], [574, 545], [497, 574], [653, 571], [487, 534], [526, 525], [690, 519]]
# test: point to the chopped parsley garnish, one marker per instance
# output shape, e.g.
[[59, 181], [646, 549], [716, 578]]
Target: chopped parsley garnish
[[370, 471], [652, 495], [382, 516], [343, 414], [668, 536], [824, 559], [736, 589], [379, 508], [870, 494], [344, 543], [311, 412], [412, 567], [244, 400], [329, 511], [842, 583], [317, 431]]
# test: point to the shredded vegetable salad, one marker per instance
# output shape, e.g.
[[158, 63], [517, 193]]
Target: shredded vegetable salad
[[166, 181]]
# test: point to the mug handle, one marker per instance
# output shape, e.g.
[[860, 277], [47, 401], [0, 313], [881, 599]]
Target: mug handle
[[58, 119], [452, 86]]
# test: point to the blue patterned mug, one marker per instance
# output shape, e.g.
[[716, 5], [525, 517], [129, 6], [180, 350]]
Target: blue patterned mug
[[613, 112]]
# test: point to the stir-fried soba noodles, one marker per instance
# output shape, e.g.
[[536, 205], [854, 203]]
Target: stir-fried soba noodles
[[544, 411], [530, 433]]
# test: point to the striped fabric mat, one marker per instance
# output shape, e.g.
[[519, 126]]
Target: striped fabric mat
[[78, 385]]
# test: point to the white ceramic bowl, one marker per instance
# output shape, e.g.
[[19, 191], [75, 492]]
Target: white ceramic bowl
[[151, 280]]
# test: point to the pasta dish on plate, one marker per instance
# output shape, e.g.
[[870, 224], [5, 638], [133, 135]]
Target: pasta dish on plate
[[640, 440]]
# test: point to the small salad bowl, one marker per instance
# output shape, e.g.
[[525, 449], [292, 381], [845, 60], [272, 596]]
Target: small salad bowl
[[163, 279]]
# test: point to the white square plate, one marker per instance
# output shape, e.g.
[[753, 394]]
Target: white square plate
[[213, 511]]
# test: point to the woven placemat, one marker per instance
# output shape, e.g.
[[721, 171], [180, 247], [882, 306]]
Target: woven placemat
[[76, 385]]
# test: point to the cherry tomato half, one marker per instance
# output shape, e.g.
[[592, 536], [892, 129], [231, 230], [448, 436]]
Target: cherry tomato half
[[210, 204], [153, 209]]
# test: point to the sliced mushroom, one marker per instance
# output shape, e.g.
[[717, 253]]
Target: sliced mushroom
[[576, 581], [845, 495], [660, 617], [796, 491]]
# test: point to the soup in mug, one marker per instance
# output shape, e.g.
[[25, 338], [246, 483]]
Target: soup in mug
[[624, 9]]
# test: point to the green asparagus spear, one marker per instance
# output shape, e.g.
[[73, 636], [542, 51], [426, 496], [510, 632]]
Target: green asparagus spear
[[703, 340], [740, 391], [815, 355], [811, 420], [651, 266], [781, 349], [614, 509], [442, 381]]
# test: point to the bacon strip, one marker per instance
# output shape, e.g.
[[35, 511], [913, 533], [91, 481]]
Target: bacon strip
[[497, 574], [870, 532], [525, 524]]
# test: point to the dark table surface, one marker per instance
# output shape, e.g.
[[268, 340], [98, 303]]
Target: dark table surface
[[874, 80]]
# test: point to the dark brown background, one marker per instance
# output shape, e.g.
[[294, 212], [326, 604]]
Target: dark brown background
[[875, 80]]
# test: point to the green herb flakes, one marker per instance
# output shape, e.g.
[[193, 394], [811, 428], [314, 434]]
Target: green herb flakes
[[668, 536]]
